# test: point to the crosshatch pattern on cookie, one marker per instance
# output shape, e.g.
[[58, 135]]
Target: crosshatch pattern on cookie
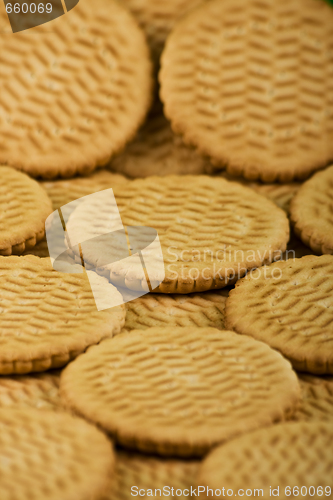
[[180, 391], [282, 455], [250, 82], [210, 230], [317, 398], [38, 391], [204, 309], [312, 212], [24, 207], [47, 318], [77, 95], [289, 305], [52, 455]]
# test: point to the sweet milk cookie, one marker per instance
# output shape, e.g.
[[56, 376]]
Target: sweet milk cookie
[[156, 150], [154, 309], [38, 391], [80, 88], [24, 207], [47, 318], [296, 248], [211, 230], [291, 458], [312, 212], [289, 305], [317, 398], [158, 18], [179, 391], [52, 455], [246, 83], [145, 475]]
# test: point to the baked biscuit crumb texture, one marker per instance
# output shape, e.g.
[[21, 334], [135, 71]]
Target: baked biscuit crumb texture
[[249, 83], [289, 305], [312, 212], [180, 391], [24, 207], [78, 91]]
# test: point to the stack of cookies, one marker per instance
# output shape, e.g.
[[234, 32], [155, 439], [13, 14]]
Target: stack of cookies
[[212, 122]]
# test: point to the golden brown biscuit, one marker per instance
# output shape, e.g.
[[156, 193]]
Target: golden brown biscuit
[[317, 398], [246, 83], [52, 455], [211, 230], [180, 391], [47, 318], [78, 91], [312, 212], [289, 305], [285, 461], [24, 207]]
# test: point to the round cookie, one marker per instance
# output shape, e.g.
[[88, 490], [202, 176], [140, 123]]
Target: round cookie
[[79, 90], [38, 391], [24, 207], [52, 455], [311, 212], [211, 230], [246, 83], [180, 391], [47, 318], [317, 398], [288, 305], [286, 457], [149, 473], [155, 309], [156, 150], [158, 18]]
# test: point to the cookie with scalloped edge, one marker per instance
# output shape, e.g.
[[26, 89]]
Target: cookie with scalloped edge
[[179, 391], [24, 207], [288, 305], [79, 90], [311, 212], [47, 318], [237, 81], [211, 230], [285, 460], [52, 455]]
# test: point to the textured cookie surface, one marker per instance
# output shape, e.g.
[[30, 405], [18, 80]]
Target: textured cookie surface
[[317, 398], [149, 473], [78, 92], [179, 390], [47, 317], [156, 150], [246, 82], [24, 207], [289, 305], [312, 212], [291, 454], [52, 455], [210, 230], [38, 391], [199, 309], [158, 18]]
